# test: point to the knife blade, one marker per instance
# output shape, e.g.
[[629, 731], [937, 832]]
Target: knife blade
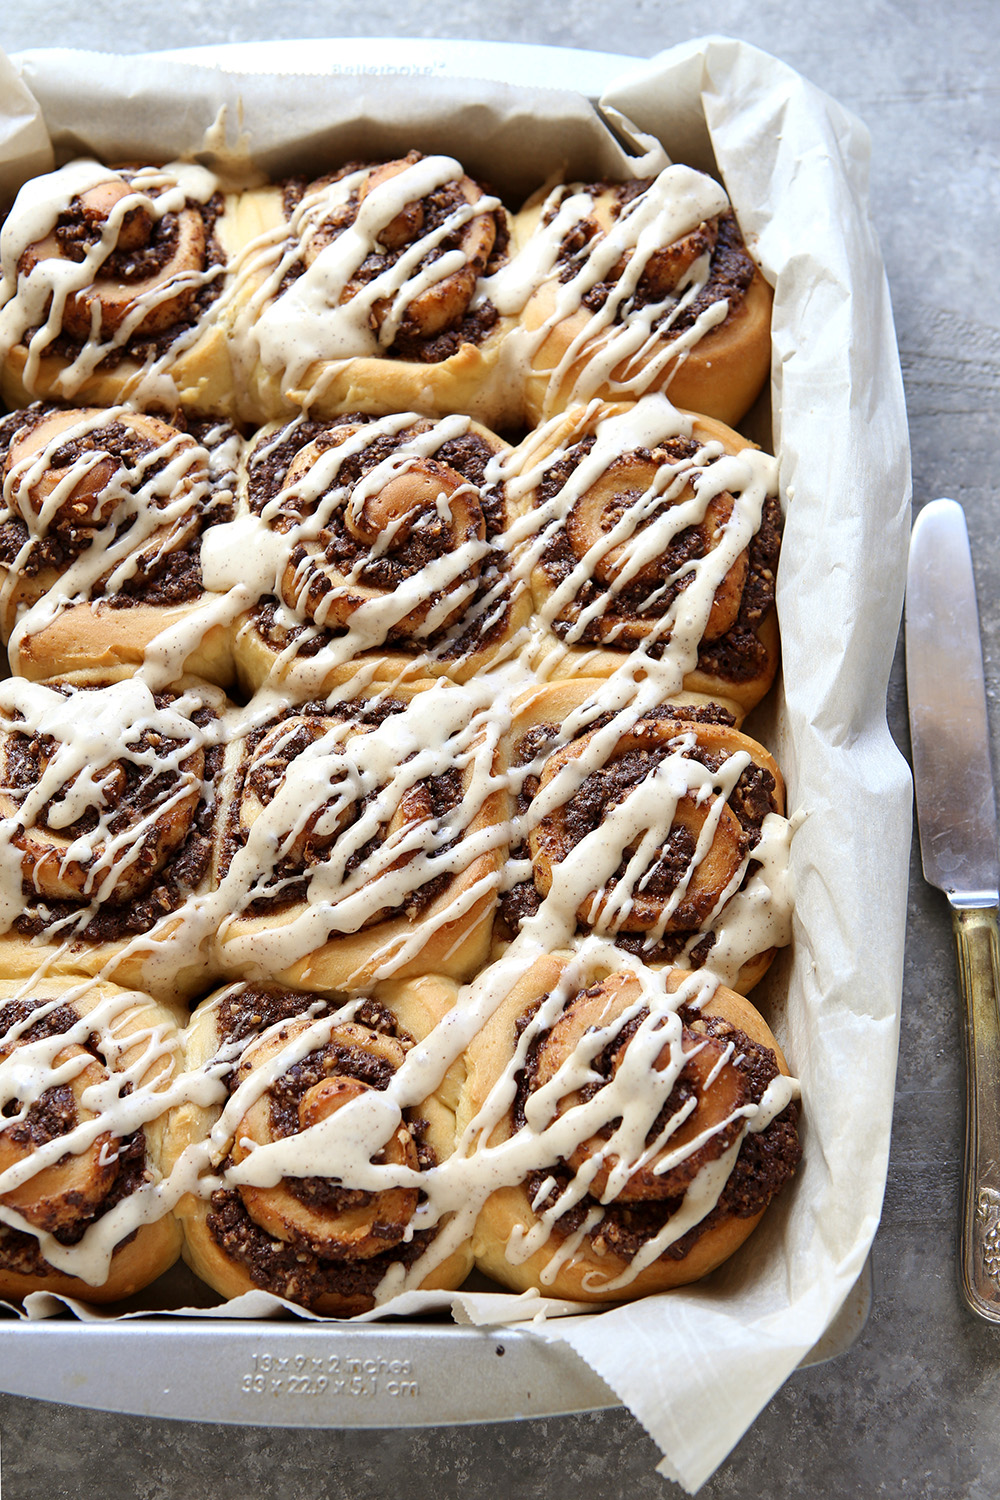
[[957, 822]]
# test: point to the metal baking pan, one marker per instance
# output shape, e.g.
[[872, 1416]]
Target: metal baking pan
[[299, 1374], [287, 1371]]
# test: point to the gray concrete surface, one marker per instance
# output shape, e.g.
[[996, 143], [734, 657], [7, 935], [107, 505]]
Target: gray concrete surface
[[914, 1408]]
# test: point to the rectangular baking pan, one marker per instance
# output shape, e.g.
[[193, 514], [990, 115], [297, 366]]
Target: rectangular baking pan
[[291, 1372], [300, 1374]]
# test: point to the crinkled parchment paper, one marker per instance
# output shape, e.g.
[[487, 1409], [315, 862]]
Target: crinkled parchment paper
[[695, 1365]]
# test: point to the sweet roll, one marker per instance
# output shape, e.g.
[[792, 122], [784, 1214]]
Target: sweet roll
[[379, 547], [330, 1097], [650, 535], [103, 516], [107, 796], [371, 298], [361, 838], [87, 1073], [637, 1125], [658, 826], [111, 278], [626, 288]]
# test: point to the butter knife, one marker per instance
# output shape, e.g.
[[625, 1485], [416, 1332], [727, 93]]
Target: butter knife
[[957, 819]]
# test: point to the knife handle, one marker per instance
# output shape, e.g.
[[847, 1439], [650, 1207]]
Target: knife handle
[[979, 976]]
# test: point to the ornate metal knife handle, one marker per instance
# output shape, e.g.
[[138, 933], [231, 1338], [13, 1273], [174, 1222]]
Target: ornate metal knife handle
[[979, 975]]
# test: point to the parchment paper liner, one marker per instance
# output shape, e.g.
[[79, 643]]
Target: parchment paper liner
[[694, 1366]]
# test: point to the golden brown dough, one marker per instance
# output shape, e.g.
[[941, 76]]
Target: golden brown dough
[[313, 1237], [81, 1165], [650, 1121]]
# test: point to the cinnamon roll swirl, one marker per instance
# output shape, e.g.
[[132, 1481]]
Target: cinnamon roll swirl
[[101, 526], [659, 827], [110, 280], [107, 797], [85, 1076], [361, 839], [327, 1091], [635, 287], [652, 532], [380, 549], [372, 298], [638, 1124]]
